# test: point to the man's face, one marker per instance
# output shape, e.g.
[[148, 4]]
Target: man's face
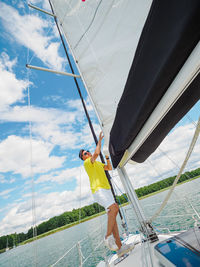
[[86, 154]]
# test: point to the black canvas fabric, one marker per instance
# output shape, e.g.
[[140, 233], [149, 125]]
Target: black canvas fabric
[[183, 105], [170, 33]]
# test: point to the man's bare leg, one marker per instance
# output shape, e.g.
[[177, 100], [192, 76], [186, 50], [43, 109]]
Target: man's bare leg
[[112, 224], [116, 236]]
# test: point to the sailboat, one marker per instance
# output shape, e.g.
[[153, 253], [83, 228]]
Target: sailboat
[[140, 63], [7, 247]]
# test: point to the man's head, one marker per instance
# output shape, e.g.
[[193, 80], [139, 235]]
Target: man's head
[[84, 154]]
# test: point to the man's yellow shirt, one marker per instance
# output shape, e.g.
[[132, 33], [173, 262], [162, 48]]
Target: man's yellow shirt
[[96, 175]]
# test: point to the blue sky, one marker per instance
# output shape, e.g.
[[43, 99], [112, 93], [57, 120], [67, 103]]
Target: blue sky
[[58, 125]]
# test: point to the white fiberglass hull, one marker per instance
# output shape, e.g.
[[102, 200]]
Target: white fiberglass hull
[[136, 257]]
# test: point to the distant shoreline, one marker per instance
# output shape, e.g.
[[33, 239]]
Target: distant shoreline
[[164, 189], [94, 216]]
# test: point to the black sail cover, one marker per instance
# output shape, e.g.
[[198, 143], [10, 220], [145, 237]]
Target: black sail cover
[[170, 33]]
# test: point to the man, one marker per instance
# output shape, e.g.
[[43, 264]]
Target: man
[[102, 194]]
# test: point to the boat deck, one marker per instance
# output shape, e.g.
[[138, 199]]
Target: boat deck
[[136, 256]]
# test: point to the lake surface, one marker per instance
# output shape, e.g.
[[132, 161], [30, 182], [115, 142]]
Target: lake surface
[[177, 215]]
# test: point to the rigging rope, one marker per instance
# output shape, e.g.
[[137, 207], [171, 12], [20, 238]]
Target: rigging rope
[[31, 169], [193, 142], [80, 198], [123, 214], [31, 163]]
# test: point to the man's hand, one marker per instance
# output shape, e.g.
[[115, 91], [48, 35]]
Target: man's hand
[[101, 136]]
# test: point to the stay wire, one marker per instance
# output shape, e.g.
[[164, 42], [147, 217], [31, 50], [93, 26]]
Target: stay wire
[[191, 120], [193, 142], [172, 161], [31, 165], [156, 171], [80, 198]]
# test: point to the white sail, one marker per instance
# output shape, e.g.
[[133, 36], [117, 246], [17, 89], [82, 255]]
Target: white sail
[[103, 36], [115, 44]]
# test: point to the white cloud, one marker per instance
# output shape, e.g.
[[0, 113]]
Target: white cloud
[[15, 156], [48, 124], [44, 3], [37, 115], [167, 159], [60, 177], [27, 195], [6, 63], [12, 89], [63, 136], [86, 139], [2, 179], [76, 105], [6, 180], [19, 217], [66, 128], [67, 175], [16, 221], [5, 194], [31, 32], [20, 5]]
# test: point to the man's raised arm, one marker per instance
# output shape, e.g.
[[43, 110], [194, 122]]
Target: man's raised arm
[[98, 148]]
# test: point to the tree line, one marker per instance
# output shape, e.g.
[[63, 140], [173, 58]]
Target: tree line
[[75, 215], [146, 190]]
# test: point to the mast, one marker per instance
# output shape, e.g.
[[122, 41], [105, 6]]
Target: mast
[[85, 109], [145, 226]]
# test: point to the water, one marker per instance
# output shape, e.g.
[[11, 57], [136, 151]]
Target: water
[[46, 251]]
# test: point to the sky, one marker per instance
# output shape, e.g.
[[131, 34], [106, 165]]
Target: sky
[[43, 127]]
